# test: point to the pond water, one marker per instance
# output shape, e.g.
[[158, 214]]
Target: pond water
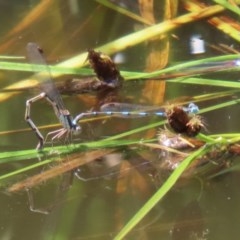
[[101, 197]]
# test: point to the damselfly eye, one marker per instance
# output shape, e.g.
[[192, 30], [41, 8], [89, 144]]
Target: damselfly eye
[[193, 108]]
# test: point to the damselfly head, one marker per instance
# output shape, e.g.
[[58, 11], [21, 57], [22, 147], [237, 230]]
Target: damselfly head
[[193, 108]]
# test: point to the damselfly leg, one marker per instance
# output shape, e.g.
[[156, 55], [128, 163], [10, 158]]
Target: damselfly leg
[[51, 94], [29, 120]]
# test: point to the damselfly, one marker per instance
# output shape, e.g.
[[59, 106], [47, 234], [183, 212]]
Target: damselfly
[[51, 94], [128, 110]]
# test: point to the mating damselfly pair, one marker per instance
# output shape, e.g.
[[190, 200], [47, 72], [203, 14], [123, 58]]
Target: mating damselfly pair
[[69, 124]]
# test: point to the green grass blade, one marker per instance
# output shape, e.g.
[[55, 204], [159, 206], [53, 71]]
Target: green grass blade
[[25, 169], [209, 82], [55, 70], [124, 11], [25, 67], [7, 157], [167, 185], [228, 6], [11, 57], [220, 105], [186, 66], [30, 154]]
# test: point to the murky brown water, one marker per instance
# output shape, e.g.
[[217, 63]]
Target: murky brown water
[[100, 206]]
